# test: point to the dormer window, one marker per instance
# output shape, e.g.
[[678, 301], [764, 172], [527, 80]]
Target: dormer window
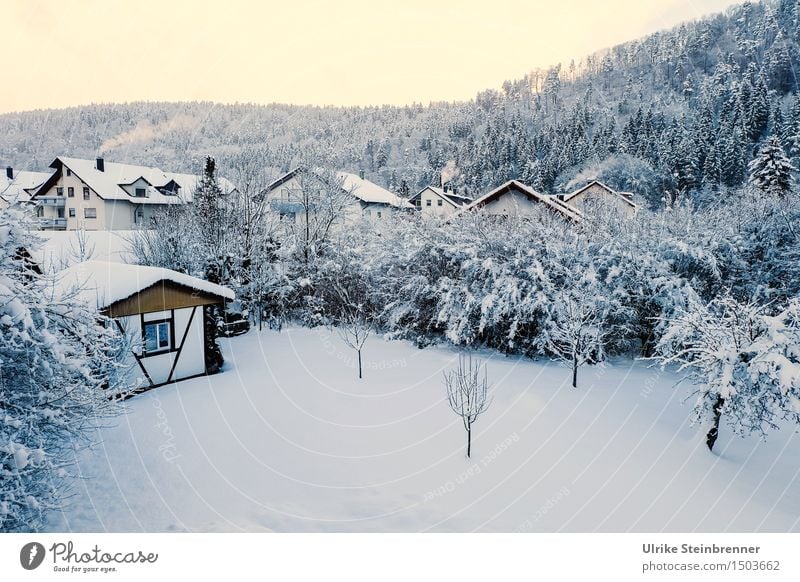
[[140, 192]]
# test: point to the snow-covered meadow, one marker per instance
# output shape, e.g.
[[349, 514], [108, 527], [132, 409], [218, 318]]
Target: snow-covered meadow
[[288, 439]]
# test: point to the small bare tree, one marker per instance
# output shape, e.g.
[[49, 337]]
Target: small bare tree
[[354, 323], [468, 392]]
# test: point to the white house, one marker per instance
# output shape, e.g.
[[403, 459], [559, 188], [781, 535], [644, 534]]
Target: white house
[[18, 187], [300, 191], [160, 311], [516, 199], [436, 201], [100, 195], [595, 196]]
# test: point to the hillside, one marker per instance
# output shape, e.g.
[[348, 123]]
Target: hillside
[[679, 111]]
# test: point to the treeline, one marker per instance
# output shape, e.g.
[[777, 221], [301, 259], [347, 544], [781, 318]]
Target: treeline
[[677, 114]]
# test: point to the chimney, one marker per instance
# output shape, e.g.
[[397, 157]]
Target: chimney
[[445, 186], [101, 166], [10, 173], [361, 174]]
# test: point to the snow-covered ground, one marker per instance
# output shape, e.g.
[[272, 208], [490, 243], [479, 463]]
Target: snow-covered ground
[[288, 439]]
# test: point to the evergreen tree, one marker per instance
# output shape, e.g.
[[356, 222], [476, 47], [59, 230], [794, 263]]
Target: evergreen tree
[[771, 171]]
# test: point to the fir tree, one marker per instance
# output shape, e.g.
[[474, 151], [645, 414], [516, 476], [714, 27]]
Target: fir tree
[[771, 171]]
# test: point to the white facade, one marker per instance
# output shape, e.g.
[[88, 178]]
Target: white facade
[[180, 354]]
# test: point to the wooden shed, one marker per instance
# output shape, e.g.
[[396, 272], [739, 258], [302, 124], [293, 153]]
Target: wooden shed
[[161, 311]]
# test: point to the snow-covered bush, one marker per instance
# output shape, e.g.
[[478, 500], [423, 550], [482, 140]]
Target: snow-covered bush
[[59, 365], [744, 363]]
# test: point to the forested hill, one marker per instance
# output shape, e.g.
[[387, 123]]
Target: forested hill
[[679, 112]]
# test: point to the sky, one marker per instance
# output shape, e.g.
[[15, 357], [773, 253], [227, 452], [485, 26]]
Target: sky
[[342, 52]]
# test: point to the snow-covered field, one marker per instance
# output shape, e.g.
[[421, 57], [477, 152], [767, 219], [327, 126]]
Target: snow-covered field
[[288, 439]]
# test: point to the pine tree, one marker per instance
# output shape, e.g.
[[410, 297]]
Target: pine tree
[[771, 171]]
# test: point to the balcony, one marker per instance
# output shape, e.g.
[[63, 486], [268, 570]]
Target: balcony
[[53, 223], [287, 206], [53, 201]]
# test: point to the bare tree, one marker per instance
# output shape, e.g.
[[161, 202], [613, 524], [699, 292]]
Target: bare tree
[[467, 392], [575, 331], [354, 323]]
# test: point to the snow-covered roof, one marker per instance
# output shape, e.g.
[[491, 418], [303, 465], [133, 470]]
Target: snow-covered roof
[[367, 191], [102, 283], [549, 201], [20, 188], [60, 249], [108, 183], [626, 196]]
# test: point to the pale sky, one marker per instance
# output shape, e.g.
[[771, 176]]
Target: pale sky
[[58, 53]]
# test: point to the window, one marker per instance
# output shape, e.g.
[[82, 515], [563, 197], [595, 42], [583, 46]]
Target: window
[[72, 213], [288, 217], [90, 212], [59, 213], [140, 192], [69, 172], [59, 191], [71, 192], [85, 192], [379, 213], [157, 337], [427, 203], [138, 216], [439, 202]]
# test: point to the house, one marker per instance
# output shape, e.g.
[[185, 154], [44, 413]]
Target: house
[[516, 199], [100, 195], [596, 195], [17, 187], [351, 197], [439, 201], [161, 311]]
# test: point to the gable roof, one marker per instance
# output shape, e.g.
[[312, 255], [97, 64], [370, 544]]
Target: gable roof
[[360, 188], [102, 283], [551, 202], [108, 184], [626, 196], [455, 200], [370, 192], [19, 188]]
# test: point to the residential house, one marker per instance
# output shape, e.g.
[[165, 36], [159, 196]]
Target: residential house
[[100, 195], [351, 196], [595, 196], [16, 188], [161, 312], [516, 199], [439, 201]]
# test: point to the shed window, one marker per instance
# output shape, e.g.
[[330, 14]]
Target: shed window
[[157, 337]]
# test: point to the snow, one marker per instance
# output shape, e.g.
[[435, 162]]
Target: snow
[[370, 192], [102, 283], [108, 183], [16, 190], [287, 439], [63, 248]]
